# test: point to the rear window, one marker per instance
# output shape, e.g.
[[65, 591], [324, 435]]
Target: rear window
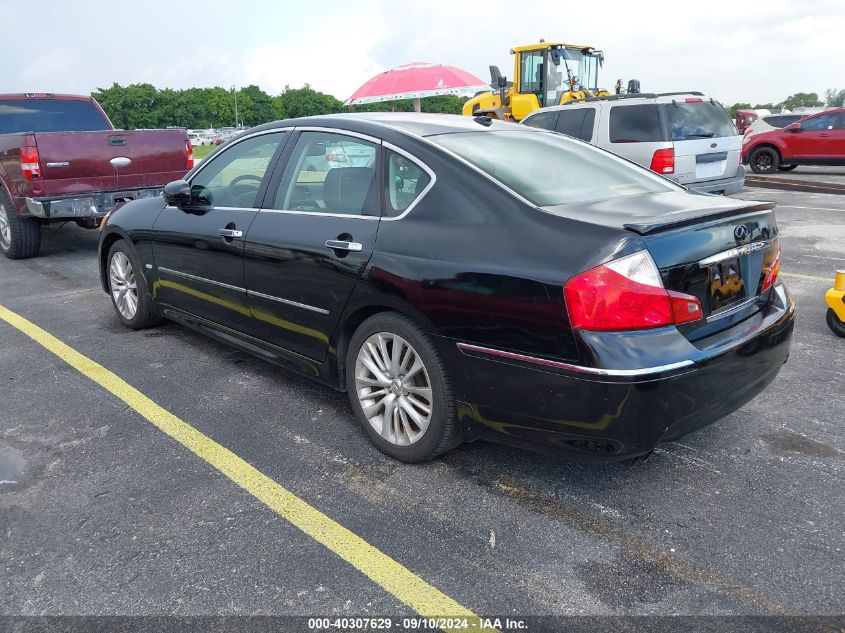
[[550, 169], [700, 119], [577, 123], [635, 124], [50, 115]]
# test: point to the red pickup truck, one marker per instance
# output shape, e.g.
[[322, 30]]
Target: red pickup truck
[[62, 160]]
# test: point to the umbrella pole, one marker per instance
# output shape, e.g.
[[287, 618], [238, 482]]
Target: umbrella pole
[[417, 106]]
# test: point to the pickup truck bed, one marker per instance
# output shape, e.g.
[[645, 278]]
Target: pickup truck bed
[[62, 160]]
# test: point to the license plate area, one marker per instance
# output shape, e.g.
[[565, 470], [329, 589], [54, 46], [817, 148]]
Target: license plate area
[[726, 285]]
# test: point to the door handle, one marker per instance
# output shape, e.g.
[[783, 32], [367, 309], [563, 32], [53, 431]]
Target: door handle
[[341, 245], [229, 233]]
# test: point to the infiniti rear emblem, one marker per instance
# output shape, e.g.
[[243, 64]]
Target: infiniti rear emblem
[[741, 233]]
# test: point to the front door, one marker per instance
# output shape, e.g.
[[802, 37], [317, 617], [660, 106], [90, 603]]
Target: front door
[[812, 140], [199, 251], [306, 249]]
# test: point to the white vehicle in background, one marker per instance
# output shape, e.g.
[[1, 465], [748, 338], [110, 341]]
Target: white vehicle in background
[[350, 154], [197, 140]]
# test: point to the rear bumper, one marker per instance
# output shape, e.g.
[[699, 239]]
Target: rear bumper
[[615, 414], [89, 205], [726, 186]]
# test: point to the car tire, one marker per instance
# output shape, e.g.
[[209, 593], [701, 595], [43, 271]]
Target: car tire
[[786, 167], [19, 237], [833, 322], [764, 160], [407, 388], [128, 289]]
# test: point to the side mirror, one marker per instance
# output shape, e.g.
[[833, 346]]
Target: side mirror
[[177, 193], [793, 127], [503, 82]]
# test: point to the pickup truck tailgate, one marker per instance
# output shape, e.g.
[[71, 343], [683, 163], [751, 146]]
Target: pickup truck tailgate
[[110, 160]]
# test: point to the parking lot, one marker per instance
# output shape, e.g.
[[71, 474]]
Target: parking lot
[[103, 513]]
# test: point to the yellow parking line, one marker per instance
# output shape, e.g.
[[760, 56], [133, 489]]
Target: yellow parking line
[[415, 592]]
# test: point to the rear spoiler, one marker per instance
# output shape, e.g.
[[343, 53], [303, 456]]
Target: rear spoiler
[[686, 218]]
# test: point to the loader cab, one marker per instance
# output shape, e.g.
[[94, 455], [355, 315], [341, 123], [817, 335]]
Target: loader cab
[[548, 74]]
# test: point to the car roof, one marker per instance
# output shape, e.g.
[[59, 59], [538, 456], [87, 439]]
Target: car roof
[[412, 123], [20, 96], [630, 99]]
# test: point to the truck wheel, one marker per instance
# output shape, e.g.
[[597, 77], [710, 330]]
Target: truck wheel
[[128, 288], [833, 322], [19, 237], [764, 160], [786, 167]]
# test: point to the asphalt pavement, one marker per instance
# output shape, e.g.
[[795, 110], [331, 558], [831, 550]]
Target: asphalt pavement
[[102, 513]]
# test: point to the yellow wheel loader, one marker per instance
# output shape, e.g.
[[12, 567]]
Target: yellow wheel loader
[[544, 74]]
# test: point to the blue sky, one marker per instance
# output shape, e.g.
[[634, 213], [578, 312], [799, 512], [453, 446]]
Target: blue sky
[[731, 50]]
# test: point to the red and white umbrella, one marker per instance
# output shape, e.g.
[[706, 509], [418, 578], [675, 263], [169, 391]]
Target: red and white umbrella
[[416, 80]]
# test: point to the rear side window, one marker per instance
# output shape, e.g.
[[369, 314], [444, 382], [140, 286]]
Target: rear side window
[[544, 120], [404, 182], [698, 119], [635, 124], [577, 123], [50, 115]]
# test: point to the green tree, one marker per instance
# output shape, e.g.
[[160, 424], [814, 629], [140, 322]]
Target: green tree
[[297, 102], [834, 97], [738, 106], [802, 99]]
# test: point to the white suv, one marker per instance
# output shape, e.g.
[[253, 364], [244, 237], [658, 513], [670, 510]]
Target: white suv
[[684, 136]]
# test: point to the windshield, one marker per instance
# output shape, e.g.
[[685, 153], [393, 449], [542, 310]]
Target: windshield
[[550, 169], [574, 69], [699, 119], [50, 115]]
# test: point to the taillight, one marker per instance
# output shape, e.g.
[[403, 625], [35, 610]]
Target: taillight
[[771, 272], [30, 164], [189, 154], [626, 294], [663, 161]]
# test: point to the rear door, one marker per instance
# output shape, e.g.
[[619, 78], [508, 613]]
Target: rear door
[[707, 145], [633, 131], [199, 252], [313, 238]]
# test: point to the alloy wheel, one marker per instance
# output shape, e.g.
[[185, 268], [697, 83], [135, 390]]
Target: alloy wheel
[[764, 161], [122, 284], [393, 388], [5, 229]]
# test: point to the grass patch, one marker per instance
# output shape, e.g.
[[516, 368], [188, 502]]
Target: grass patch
[[201, 151]]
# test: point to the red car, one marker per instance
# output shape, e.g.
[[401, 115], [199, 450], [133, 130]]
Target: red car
[[818, 139]]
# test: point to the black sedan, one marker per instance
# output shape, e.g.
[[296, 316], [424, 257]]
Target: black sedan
[[464, 278]]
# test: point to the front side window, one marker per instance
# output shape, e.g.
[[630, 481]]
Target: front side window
[[404, 182], [330, 173], [635, 124], [819, 123], [544, 120], [550, 169], [232, 178]]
